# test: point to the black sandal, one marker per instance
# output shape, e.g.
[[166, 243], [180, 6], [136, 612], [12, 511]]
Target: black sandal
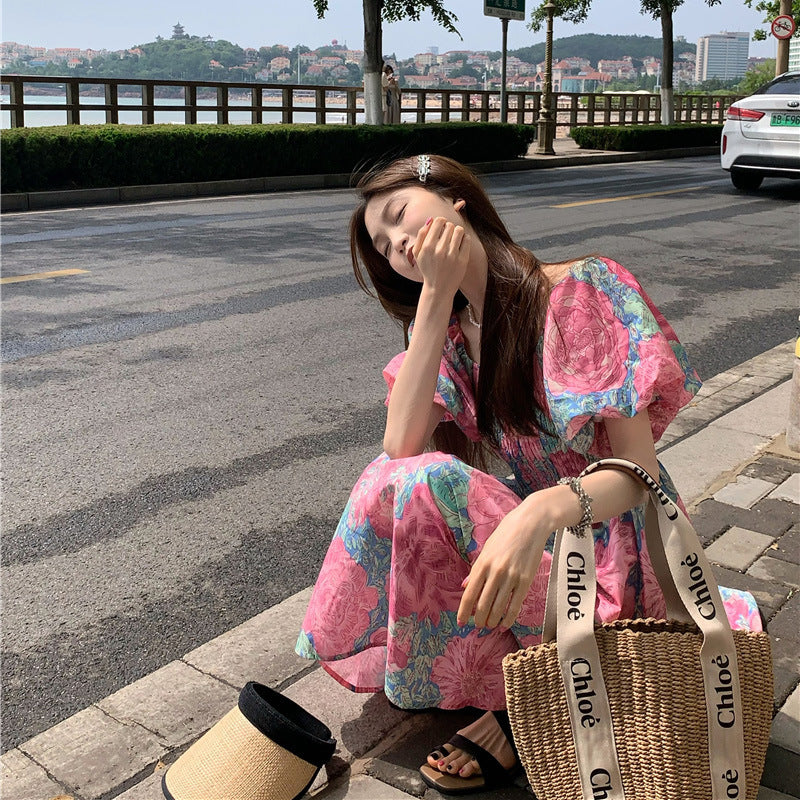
[[492, 776]]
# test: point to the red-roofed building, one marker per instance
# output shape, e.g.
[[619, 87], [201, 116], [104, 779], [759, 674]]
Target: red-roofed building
[[421, 81]]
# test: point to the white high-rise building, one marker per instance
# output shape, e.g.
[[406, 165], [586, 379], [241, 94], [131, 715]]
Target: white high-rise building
[[722, 55], [794, 53]]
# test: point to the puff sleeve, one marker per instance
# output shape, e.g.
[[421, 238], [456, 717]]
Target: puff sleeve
[[608, 352]]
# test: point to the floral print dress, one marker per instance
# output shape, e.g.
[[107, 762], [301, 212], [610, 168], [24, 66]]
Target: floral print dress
[[382, 615]]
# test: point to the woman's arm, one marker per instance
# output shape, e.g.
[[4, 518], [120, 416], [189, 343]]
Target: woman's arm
[[412, 418], [505, 569], [441, 252]]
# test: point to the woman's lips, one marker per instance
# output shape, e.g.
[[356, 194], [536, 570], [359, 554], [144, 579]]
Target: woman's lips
[[410, 256]]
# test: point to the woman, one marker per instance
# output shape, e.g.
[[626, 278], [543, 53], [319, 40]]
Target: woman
[[391, 96], [438, 568]]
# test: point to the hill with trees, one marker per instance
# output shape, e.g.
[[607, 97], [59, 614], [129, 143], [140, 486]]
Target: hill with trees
[[596, 47]]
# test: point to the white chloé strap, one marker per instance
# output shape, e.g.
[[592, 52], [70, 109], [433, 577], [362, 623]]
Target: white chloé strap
[[581, 673], [682, 571]]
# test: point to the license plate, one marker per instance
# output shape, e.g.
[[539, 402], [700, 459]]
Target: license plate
[[785, 120]]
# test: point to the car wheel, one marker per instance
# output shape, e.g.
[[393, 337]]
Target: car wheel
[[746, 179]]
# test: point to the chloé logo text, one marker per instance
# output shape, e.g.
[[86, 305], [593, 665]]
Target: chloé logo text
[[726, 715], [582, 682], [699, 587], [601, 784], [576, 571], [731, 777]]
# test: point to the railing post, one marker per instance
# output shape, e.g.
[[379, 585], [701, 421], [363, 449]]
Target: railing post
[[573, 110], [319, 97], [111, 89], [351, 106], [520, 108], [421, 106], [17, 98], [590, 100], [190, 101], [222, 105], [606, 109], [73, 103], [288, 100], [484, 106], [465, 106], [148, 104], [257, 101], [445, 115]]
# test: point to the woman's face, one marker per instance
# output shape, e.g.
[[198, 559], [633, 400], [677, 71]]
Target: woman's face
[[393, 221]]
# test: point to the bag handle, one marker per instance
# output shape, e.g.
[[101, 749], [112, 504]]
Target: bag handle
[[675, 608], [572, 589]]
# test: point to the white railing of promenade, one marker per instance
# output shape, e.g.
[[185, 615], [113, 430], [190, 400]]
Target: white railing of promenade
[[147, 101]]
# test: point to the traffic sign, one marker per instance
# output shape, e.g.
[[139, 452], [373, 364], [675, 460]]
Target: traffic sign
[[504, 9], [783, 27]]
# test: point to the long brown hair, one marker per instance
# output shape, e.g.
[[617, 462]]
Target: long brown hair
[[514, 305]]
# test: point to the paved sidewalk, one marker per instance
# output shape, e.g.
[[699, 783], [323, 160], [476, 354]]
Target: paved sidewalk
[[728, 458]]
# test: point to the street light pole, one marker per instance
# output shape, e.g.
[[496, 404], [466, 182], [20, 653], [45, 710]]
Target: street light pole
[[545, 131], [503, 96]]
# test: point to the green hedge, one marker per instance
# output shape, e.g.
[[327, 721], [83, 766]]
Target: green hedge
[[89, 156], [647, 137]]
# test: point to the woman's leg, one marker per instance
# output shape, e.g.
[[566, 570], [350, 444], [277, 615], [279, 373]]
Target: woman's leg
[[383, 611]]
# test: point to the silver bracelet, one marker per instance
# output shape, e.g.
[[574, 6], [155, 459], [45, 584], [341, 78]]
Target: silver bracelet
[[586, 506]]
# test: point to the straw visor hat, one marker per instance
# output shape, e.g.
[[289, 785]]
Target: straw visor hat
[[267, 748]]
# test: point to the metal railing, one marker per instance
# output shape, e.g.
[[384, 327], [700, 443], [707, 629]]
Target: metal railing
[[265, 102]]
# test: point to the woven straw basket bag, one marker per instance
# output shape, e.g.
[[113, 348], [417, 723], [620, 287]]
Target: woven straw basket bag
[[684, 724]]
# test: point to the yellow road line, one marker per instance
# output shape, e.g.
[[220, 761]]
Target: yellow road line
[[627, 197], [38, 276]]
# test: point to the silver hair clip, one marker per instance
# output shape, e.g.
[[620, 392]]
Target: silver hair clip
[[423, 167]]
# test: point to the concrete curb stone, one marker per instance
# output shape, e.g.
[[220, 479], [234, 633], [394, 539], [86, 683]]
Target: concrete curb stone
[[90, 752], [24, 779]]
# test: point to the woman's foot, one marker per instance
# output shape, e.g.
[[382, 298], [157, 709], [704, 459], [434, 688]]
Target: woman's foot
[[454, 768]]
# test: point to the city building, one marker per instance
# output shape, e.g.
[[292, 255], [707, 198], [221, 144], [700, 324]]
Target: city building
[[794, 53], [722, 55], [618, 68]]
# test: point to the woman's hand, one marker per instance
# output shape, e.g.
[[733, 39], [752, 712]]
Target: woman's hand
[[441, 253], [504, 571]]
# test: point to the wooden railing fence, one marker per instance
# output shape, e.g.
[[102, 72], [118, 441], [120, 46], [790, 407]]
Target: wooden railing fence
[[280, 103]]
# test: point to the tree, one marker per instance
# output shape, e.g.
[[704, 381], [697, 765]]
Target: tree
[[771, 9], [757, 77], [375, 12], [578, 10]]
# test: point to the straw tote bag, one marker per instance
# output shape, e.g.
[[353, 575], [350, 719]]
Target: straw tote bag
[[266, 748], [641, 709]]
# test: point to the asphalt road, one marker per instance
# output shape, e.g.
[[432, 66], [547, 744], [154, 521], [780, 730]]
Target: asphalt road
[[183, 421]]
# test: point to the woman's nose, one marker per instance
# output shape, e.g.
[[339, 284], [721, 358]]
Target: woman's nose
[[400, 243]]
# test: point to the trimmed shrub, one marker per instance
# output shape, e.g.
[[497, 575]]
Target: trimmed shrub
[[91, 156], [646, 137]]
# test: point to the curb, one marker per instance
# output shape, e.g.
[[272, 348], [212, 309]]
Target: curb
[[121, 745], [69, 198]]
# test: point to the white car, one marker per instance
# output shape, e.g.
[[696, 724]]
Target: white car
[[761, 135]]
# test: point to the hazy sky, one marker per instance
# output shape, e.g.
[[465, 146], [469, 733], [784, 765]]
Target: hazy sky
[[113, 25]]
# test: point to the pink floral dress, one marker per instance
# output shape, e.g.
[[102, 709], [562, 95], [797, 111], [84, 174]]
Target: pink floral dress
[[382, 615]]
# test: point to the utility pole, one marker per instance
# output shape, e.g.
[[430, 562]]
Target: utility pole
[[503, 94], [546, 126], [782, 54], [505, 10]]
